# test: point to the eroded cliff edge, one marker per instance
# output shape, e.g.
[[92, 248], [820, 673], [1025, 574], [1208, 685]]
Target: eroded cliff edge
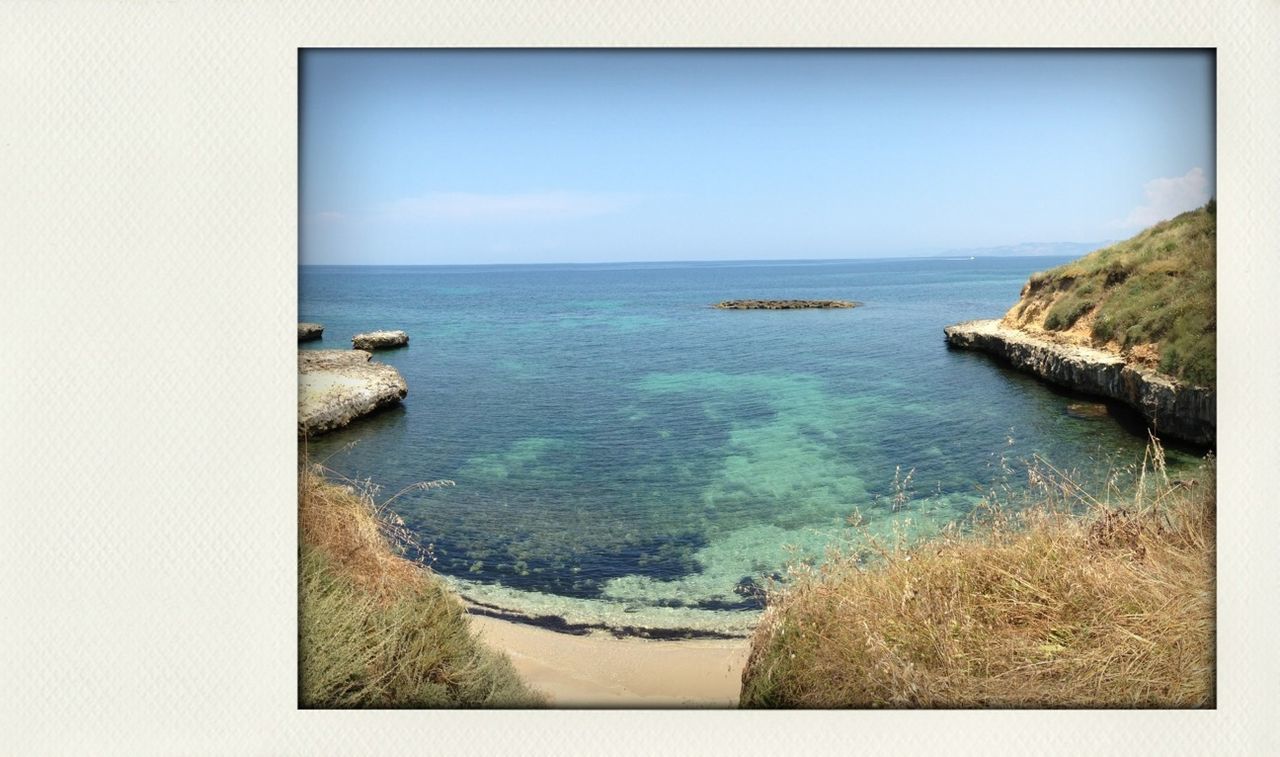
[[1173, 408]]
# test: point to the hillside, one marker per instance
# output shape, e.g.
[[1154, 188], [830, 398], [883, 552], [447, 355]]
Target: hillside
[[1151, 299], [377, 630], [1042, 608]]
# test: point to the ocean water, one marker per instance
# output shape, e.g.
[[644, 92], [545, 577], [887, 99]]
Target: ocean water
[[626, 455]]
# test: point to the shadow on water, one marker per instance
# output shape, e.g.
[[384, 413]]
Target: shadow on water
[[489, 555]]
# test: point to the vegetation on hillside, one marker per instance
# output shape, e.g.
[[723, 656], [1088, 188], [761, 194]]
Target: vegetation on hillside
[[376, 629], [1040, 609], [1151, 297]]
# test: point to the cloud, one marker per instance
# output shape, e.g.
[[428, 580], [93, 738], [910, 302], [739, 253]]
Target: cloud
[[327, 216], [467, 206], [1168, 197]]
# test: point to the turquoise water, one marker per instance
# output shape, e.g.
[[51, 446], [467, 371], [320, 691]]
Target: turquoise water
[[626, 455]]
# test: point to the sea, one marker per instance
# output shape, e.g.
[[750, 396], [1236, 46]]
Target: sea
[[625, 456]]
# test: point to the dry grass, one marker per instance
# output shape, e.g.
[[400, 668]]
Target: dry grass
[[375, 629], [1043, 609]]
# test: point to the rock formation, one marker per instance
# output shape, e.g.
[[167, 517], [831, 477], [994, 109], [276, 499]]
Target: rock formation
[[379, 340], [309, 332], [337, 386], [784, 304], [1173, 408]]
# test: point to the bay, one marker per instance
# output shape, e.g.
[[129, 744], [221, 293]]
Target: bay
[[625, 455]]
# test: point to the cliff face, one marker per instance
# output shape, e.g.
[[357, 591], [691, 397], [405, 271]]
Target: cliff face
[[1175, 409]]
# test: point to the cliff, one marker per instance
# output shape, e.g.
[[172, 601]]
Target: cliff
[[1174, 408], [1134, 322]]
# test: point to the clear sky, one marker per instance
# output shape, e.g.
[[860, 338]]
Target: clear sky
[[422, 157]]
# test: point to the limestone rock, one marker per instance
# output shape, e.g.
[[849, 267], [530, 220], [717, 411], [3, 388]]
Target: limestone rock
[[337, 386], [379, 340], [309, 332], [1173, 408]]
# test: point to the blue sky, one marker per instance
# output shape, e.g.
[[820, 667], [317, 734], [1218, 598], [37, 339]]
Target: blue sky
[[524, 156]]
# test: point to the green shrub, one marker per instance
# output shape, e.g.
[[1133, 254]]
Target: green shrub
[[1064, 314], [1103, 329]]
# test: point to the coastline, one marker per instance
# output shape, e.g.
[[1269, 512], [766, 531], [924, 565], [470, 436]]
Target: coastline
[[598, 670], [1175, 409]]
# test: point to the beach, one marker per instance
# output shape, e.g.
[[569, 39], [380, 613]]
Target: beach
[[599, 670]]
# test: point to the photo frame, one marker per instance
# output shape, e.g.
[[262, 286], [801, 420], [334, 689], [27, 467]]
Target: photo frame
[[156, 219]]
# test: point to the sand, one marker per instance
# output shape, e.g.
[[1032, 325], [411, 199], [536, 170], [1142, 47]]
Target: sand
[[600, 670]]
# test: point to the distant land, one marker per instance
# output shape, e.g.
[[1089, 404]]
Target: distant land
[[1027, 249]]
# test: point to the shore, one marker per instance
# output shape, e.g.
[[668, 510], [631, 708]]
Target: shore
[[599, 670], [1175, 409]]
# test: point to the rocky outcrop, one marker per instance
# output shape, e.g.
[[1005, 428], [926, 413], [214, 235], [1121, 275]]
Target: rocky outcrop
[[784, 304], [1174, 409], [379, 340], [309, 332], [337, 386]]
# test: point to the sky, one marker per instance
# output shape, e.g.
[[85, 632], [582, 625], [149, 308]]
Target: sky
[[554, 156]]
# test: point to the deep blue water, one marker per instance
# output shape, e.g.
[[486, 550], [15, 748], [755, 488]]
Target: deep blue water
[[624, 453]]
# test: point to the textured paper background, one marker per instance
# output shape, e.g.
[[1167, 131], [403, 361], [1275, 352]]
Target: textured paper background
[[148, 232]]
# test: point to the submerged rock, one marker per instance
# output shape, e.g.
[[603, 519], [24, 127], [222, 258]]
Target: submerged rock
[[309, 332], [1175, 409], [379, 340], [750, 588], [337, 386], [1087, 410], [784, 304]]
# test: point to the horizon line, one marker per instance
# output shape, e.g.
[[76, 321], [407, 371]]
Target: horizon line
[[945, 256]]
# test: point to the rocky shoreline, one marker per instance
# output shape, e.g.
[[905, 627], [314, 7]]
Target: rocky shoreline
[[1174, 409], [337, 386]]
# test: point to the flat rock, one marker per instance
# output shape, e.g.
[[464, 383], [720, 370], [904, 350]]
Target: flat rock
[[337, 386], [379, 340], [784, 304], [309, 332]]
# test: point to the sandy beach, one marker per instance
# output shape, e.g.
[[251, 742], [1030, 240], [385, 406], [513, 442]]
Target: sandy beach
[[600, 670]]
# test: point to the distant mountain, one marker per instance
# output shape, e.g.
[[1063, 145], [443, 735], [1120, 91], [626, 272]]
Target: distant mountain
[[1028, 249]]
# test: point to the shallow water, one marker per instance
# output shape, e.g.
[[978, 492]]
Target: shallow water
[[624, 454]]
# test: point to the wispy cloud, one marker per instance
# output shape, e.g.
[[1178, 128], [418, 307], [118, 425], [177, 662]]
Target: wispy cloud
[[468, 206], [327, 216], [1167, 197]]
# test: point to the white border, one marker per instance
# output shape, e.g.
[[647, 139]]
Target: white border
[[148, 232]]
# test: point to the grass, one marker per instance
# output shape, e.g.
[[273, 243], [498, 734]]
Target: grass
[[1157, 290], [376, 629], [1048, 608]]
